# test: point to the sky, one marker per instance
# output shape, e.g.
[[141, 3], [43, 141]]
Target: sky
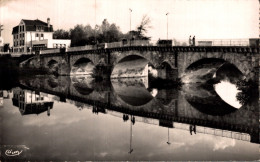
[[206, 19]]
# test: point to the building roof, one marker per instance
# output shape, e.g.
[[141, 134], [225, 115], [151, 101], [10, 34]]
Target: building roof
[[15, 30], [30, 25], [34, 22]]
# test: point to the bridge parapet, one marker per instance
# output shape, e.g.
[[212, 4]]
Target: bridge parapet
[[239, 49]]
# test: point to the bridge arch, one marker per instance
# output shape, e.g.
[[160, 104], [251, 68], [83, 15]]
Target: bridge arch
[[206, 69], [131, 66], [239, 60], [53, 66], [82, 66], [145, 55], [27, 62], [134, 63]]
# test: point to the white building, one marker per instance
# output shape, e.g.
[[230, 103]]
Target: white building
[[35, 35]]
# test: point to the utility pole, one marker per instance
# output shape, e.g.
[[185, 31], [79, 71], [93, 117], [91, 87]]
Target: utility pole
[[167, 23], [168, 142], [259, 17], [95, 23], [131, 135], [130, 26], [31, 41]]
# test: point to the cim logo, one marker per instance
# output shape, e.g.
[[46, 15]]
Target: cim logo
[[15, 152]]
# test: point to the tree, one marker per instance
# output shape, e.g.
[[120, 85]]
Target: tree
[[6, 47], [85, 35], [108, 33], [78, 36], [61, 34], [140, 31], [143, 27]]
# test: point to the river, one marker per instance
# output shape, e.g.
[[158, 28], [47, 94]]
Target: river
[[78, 118]]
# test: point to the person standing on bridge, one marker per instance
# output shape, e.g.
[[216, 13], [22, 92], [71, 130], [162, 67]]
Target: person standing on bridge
[[190, 41], [193, 41]]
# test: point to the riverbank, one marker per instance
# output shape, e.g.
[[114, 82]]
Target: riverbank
[[10, 71]]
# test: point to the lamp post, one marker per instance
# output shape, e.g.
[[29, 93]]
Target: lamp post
[[168, 142], [167, 23], [31, 42], [130, 11], [95, 24], [131, 135]]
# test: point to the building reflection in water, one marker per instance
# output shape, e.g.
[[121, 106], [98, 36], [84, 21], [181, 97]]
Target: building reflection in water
[[31, 102], [4, 95]]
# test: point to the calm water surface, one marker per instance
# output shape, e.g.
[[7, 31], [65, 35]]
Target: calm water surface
[[63, 118]]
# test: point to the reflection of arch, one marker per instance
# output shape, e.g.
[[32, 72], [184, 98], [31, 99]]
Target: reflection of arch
[[83, 85], [131, 92], [167, 96], [83, 66], [82, 89], [205, 100], [52, 82]]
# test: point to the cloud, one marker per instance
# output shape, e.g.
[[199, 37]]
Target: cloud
[[223, 144]]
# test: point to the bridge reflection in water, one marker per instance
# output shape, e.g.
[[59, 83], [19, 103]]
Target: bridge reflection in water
[[132, 99]]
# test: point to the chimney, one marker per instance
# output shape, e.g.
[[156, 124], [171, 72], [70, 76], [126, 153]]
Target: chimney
[[48, 22]]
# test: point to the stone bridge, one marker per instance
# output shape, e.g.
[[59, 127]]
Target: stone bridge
[[127, 62]]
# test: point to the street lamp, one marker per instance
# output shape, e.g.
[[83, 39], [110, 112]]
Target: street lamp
[[168, 142], [131, 136], [130, 11], [167, 23], [95, 23]]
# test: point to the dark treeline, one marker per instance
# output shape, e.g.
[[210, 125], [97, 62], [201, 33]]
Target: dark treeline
[[82, 35]]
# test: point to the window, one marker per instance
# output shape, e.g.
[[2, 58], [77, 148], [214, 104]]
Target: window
[[37, 35], [41, 35], [23, 34]]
